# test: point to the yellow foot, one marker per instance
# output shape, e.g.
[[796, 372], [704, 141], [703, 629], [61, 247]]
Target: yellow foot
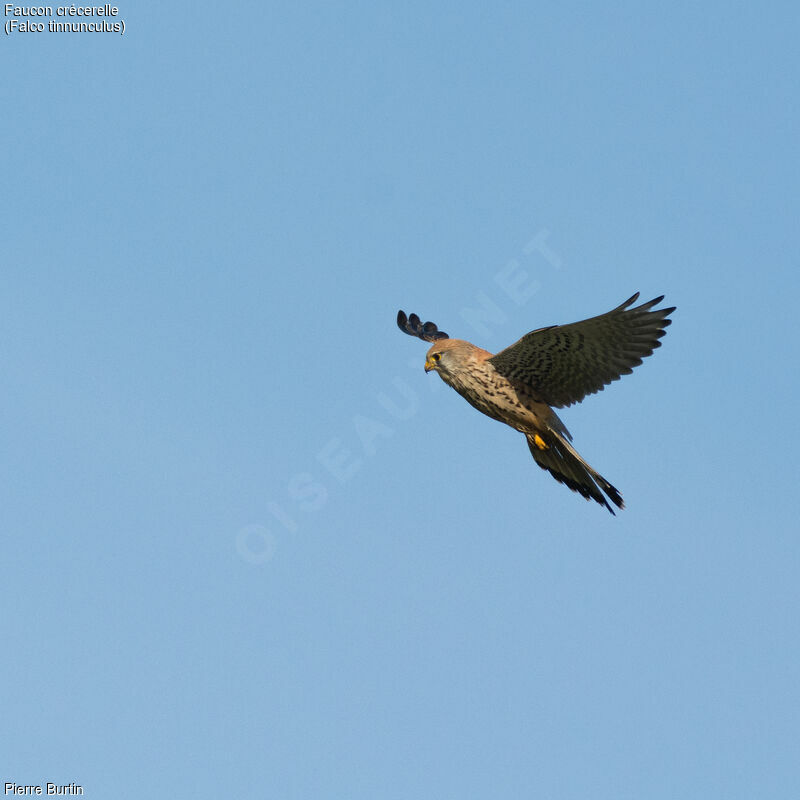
[[539, 442]]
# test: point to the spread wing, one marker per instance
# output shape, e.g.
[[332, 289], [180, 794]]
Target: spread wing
[[564, 363], [413, 326]]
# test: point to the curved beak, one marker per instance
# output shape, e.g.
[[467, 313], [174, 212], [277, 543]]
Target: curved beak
[[429, 364]]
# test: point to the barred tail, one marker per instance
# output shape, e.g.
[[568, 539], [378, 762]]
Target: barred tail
[[551, 451]]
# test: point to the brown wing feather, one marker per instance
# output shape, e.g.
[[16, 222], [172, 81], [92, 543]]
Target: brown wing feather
[[564, 363]]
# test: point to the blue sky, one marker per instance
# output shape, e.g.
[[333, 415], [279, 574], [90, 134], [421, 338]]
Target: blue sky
[[250, 549]]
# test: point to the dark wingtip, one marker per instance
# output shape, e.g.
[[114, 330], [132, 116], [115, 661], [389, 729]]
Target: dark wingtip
[[629, 302], [615, 496], [654, 302], [413, 326]]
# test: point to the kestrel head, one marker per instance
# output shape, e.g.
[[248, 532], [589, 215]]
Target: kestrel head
[[448, 356]]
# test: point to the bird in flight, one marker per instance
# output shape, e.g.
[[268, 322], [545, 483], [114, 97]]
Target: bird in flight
[[548, 368]]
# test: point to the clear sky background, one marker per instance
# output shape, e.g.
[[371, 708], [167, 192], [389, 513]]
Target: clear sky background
[[249, 549]]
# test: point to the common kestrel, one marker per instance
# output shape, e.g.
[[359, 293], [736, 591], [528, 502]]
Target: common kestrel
[[554, 366]]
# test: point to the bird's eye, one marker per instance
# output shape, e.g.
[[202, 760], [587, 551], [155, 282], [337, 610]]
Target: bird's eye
[[436, 356]]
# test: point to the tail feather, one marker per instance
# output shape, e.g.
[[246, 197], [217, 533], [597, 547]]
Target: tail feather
[[564, 463]]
